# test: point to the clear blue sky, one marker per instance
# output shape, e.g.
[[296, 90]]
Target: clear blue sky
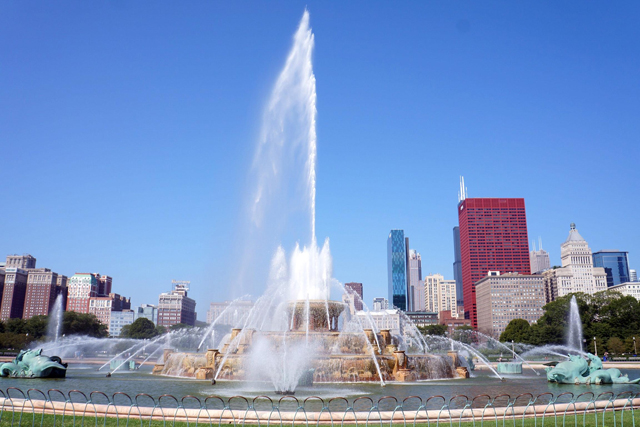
[[127, 129]]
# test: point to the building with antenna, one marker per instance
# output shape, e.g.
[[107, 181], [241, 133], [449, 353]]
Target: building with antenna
[[176, 307], [457, 265], [493, 237], [539, 258]]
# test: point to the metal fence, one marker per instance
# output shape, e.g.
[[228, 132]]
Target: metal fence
[[75, 408]]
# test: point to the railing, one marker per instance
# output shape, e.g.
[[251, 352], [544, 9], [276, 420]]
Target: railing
[[55, 408]]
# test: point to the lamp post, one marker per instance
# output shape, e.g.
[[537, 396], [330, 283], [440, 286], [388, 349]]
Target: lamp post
[[595, 346], [635, 351], [513, 349]]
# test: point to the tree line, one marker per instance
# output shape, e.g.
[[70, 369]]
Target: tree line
[[612, 318], [17, 334]]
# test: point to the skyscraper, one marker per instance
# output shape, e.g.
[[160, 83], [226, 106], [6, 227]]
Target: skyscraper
[[397, 263], [416, 285], [43, 287], [176, 307], [493, 237], [14, 290], [81, 288], [457, 265], [440, 294], [615, 264], [577, 273], [633, 275]]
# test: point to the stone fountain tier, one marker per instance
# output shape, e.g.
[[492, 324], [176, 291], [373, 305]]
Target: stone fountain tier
[[335, 368], [340, 357], [322, 315]]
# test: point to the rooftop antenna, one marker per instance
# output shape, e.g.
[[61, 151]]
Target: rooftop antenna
[[540, 241], [533, 244], [462, 194]]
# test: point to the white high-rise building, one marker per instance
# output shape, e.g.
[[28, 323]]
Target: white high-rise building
[[577, 273], [633, 275], [415, 281], [440, 295]]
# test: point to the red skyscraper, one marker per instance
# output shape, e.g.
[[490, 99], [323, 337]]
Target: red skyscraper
[[493, 237]]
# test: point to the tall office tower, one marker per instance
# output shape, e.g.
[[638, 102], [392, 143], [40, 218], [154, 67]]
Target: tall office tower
[[176, 307], [397, 270], [416, 285], [615, 264], [13, 293], [81, 288], [577, 273], [24, 262], [355, 288], [457, 265], [440, 295], [493, 237], [633, 275], [380, 304], [14, 287], [43, 288], [504, 297], [539, 259]]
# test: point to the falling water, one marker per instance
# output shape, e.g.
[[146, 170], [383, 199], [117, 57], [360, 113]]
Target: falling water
[[574, 334], [55, 320], [210, 330], [289, 132]]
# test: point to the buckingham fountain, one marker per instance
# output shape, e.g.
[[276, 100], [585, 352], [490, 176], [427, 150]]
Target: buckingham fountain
[[296, 333], [312, 350]]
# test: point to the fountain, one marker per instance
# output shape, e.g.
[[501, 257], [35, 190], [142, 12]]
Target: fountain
[[295, 333]]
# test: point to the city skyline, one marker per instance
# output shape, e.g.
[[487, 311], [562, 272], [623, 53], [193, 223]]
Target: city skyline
[[135, 169]]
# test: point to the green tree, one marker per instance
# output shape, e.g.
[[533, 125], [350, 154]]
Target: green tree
[[82, 324], [141, 328], [16, 326], [615, 345], [517, 330], [433, 330], [36, 326]]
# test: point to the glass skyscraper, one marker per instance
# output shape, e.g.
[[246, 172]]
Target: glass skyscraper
[[615, 264], [397, 269]]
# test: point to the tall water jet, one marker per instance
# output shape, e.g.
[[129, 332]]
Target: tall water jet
[[574, 332], [55, 320], [290, 333]]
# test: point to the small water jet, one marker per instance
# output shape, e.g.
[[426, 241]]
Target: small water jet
[[55, 320]]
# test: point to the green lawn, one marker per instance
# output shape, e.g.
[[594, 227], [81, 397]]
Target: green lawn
[[570, 421]]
